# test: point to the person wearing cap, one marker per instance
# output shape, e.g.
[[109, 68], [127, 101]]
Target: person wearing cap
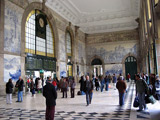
[[121, 86], [49, 92], [141, 87], [157, 87]]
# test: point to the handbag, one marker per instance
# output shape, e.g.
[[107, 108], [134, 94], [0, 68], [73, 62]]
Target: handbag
[[136, 102], [152, 99]]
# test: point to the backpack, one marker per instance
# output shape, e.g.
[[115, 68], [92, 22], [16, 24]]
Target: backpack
[[79, 93]]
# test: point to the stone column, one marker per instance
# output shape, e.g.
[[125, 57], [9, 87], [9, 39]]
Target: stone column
[[75, 54], [2, 85]]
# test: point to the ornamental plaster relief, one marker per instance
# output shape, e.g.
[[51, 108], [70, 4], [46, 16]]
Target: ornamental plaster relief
[[20, 3]]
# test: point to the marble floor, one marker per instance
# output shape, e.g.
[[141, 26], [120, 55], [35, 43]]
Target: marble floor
[[104, 107]]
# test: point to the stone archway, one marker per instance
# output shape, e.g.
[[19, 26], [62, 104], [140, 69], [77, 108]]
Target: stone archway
[[123, 62], [91, 67], [47, 12]]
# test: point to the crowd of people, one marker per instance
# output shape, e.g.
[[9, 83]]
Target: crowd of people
[[149, 85]]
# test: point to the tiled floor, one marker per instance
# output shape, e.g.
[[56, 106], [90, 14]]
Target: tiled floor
[[104, 107]]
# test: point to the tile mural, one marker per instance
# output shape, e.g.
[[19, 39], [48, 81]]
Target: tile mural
[[12, 28], [62, 67], [114, 55], [113, 68], [12, 67]]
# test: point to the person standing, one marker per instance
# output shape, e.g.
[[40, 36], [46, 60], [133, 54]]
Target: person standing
[[50, 94], [121, 86], [72, 84], [81, 81], [32, 89], [19, 85], [64, 88], [114, 81], [141, 87], [157, 87], [128, 77], [89, 90], [9, 90]]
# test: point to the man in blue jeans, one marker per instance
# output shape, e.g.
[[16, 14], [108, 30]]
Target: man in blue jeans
[[19, 85], [121, 86], [141, 87], [88, 85]]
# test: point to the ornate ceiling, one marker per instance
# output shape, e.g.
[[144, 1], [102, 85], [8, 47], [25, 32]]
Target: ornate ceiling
[[97, 16]]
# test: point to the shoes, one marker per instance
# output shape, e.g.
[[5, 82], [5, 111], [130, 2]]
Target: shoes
[[17, 101], [87, 105], [139, 110]]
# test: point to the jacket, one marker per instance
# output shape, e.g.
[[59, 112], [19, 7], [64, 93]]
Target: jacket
[[121, 86], [9, 87], [49, 92], [90, 86], [141, 86], [20, 84]]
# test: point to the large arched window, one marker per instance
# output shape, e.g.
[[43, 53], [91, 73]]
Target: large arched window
[[38, 35], [39, 43], [69, 53]]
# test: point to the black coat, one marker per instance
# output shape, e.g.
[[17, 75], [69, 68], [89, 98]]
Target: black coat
[[9, 87], [81, 84], [49, 92], [20, 84]]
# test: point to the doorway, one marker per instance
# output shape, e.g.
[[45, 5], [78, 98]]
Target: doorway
[[131, 66], [97, 67]]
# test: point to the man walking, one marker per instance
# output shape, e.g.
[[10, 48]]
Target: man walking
[[49, 92], [121, 86], [89, 90], [19, 85]]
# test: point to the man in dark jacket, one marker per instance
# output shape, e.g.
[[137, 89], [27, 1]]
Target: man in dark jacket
[[121, 86], [141, 88], [9, 90], [88, 87], [49, 92], [19, 85]]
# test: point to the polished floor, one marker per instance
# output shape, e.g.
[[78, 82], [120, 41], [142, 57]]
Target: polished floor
[[104, 107]]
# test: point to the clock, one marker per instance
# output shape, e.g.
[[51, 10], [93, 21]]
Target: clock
[[41, 22]]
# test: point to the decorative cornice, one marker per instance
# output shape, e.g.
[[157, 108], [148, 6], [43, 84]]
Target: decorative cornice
[[102, 21]]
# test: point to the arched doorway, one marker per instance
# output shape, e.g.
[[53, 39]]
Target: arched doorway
[[97, 67], [131, 66]]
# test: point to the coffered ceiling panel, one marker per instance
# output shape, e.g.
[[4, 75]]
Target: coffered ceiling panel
[[96, 16]]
